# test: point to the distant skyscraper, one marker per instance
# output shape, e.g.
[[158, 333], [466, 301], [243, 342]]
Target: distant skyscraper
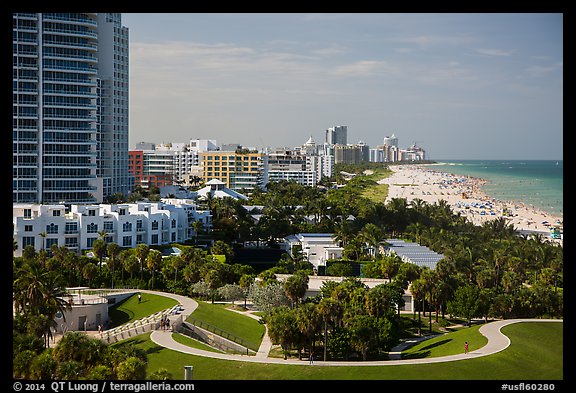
[[391, 141], [112, 109], [338, 134], [70, 107]]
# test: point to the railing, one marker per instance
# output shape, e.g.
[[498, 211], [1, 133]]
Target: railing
[[138, 327], [213, 340], [222, 333]]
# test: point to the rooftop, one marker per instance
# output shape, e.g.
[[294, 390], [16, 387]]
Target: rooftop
[[415, 253]]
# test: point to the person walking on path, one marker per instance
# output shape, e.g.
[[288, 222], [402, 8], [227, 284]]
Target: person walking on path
[[311, 357], [139, 297], [466, 347]]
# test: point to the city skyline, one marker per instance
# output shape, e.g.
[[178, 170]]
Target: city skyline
[[477, 86]]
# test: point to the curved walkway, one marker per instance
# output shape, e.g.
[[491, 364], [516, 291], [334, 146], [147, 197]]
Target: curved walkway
[[497, 342]]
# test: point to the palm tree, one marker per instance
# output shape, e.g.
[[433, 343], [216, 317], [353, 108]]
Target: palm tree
[[153, 260], [417, 288], [102, 234], [131, 264], [99, 249], [331, 311], [308, 321], [113, 251], [43, 236], [142, 251], [122, 257], [198, 227], [38, 292], [344, 232], [372, 235], [89, 272], [295, 287], [177, 263]]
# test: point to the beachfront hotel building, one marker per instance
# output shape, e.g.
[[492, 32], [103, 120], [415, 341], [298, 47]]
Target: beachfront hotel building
[[70, 107], [166, 164], [127, 224], [151, 165], [337, 135], [239, 170], [390, 152], [285, 164]]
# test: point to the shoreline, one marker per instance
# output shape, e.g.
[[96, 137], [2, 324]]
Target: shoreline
[[465, 196]]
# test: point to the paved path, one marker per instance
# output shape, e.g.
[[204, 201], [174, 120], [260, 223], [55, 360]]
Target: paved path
[[188, 304], [496, 343]]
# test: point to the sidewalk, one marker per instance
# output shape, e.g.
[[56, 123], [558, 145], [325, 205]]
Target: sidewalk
[[496, 342]]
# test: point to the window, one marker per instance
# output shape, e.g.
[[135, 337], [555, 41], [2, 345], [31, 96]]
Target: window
[[173, 223], [27, 213], [52, 229], [92, 228], [71, 242], [154, 239], [173, 237], [139, 226], [55, 213], [139, 239], [90, 241], [109, 226], [50, 242], [127, 241], [27, 241], [92, 213], [127, 227], [154, 225], [122, 212], [28, 228], [71, 227]]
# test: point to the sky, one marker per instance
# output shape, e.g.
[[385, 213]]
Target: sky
[[459, 85]]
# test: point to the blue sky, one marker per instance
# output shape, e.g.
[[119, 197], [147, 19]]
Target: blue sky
[[462, 86]]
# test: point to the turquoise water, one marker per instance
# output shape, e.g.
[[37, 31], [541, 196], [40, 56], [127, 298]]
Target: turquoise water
[[538, 183]]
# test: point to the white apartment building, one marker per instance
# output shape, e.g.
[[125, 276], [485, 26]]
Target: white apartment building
[[187, 158], [70, 82], [127, 224], [290, 165], [167, 163], [317, 248]]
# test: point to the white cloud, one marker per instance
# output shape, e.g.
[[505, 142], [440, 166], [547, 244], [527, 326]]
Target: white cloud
[[364, 68], [493, 52], [539, 71]]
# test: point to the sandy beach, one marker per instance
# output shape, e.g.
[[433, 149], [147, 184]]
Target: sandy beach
[[464, 195]]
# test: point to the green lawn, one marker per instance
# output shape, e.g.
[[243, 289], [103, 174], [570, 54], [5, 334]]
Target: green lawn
[[182, 339], [535, 354], [248, 329], [447, 344], [130, 310], [376, 193]]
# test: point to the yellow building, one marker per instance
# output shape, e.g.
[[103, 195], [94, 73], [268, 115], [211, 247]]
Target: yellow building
[[240, 171]]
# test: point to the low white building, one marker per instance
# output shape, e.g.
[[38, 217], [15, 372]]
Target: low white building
[[127, 224], [317, 248], [315, 284], [217, 189], [88, 309]]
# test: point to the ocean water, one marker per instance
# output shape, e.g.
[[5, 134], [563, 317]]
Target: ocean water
[[537, 183]]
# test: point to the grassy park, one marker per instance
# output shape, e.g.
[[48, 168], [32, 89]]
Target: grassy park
[[244, 327], [535, 353], [130, 309]]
